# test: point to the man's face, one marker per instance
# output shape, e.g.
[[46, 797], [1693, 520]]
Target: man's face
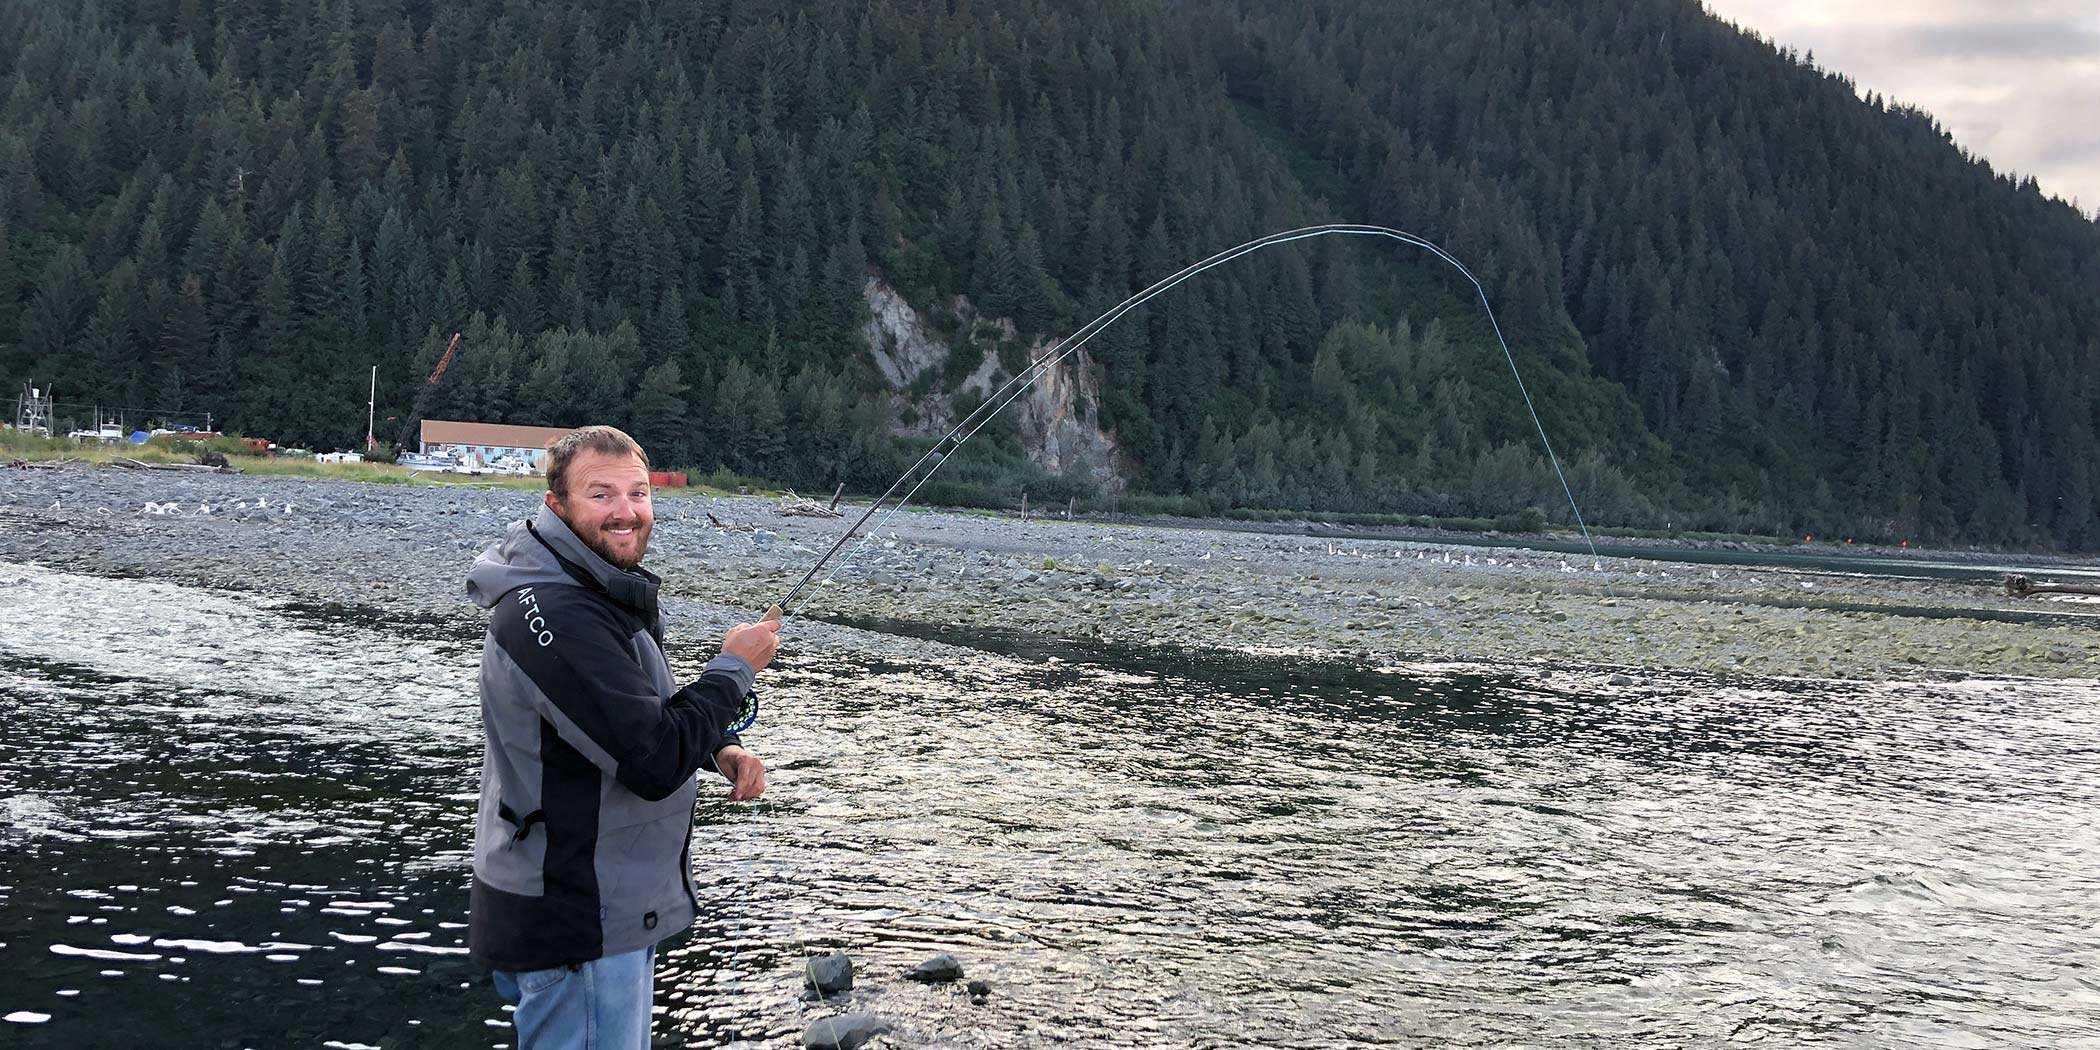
[[607, 506]]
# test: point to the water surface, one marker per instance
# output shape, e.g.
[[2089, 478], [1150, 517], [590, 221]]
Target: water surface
[[230, 822]]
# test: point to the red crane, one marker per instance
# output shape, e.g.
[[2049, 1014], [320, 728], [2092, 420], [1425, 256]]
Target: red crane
[[439, 372]]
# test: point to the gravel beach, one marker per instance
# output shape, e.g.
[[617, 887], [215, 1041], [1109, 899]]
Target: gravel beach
[[400, 552]]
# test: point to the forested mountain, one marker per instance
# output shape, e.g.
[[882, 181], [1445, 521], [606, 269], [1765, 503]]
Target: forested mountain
[[1744, 297]]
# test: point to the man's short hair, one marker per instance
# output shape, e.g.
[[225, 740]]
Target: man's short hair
[[611, 441]]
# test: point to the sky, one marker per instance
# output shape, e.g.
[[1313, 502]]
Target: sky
[[2017, 81]]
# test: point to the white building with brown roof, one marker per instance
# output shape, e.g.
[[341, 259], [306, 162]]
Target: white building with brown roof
[[489, 446]]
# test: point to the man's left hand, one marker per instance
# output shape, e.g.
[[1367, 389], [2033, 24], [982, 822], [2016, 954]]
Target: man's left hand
[[742, 769]]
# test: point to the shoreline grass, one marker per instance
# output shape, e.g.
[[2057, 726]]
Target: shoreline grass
[[14, 445]]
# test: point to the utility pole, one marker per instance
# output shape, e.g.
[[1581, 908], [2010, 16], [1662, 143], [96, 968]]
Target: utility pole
[[371, 401]]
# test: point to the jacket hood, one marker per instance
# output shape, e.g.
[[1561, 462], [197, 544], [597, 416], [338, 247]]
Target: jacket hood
[[543, 550]]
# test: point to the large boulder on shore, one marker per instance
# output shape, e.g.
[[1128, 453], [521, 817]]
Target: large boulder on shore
[[940, 969], [827, 974], [844, 1032]]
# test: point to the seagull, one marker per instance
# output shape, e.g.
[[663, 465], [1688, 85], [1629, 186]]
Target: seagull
[[54, 505]]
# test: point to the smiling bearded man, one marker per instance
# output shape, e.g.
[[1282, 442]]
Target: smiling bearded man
[[582, 844]]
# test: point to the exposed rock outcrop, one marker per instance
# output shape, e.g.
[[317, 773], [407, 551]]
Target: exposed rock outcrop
[[1058, 416]]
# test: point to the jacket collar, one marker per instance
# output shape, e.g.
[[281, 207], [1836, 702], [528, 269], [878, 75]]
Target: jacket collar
[[636, 589]]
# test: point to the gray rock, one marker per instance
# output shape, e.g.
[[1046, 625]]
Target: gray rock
[[1619, 679], [940, 969], [826, 974], [844, 1032], [979, 989]]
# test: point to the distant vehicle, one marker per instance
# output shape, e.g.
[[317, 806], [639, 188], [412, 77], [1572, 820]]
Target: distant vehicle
[[110, 433], [339, 457], [426, 461]]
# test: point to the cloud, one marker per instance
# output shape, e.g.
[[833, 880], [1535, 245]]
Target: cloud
[[2017, 82], [1986, 41]]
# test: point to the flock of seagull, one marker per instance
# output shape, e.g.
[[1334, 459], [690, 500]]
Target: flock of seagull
[[204, 509]]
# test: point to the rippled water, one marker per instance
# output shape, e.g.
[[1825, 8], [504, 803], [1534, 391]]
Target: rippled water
[[230, 822]]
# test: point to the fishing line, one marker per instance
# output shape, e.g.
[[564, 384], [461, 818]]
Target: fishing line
[[1014, 387]]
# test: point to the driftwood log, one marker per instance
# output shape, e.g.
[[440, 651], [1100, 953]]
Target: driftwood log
[[195, 468], [793, 506], [2018, 586], [728, 526]]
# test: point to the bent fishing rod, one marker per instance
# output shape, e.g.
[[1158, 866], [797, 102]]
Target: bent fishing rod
[[938, 453]]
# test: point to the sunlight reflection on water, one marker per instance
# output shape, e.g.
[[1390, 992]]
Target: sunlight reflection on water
[[251, 822]]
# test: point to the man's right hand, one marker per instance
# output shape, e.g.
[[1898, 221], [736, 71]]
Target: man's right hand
[[755, 643]]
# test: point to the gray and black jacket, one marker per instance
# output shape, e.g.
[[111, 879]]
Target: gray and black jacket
[[583, 842]]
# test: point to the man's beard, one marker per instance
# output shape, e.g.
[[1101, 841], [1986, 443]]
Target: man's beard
[[601, 545]]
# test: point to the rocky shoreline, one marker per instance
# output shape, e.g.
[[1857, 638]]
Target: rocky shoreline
[[402, 550]]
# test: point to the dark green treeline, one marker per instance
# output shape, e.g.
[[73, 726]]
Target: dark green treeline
[[1745, 298]]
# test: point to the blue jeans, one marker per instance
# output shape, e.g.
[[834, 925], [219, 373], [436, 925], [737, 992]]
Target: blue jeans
[[601, 1005]]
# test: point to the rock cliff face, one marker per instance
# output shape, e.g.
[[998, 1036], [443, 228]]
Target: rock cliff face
[[1058, 418]]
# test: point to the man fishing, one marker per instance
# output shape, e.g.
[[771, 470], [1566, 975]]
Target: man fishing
[[583, 841]]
